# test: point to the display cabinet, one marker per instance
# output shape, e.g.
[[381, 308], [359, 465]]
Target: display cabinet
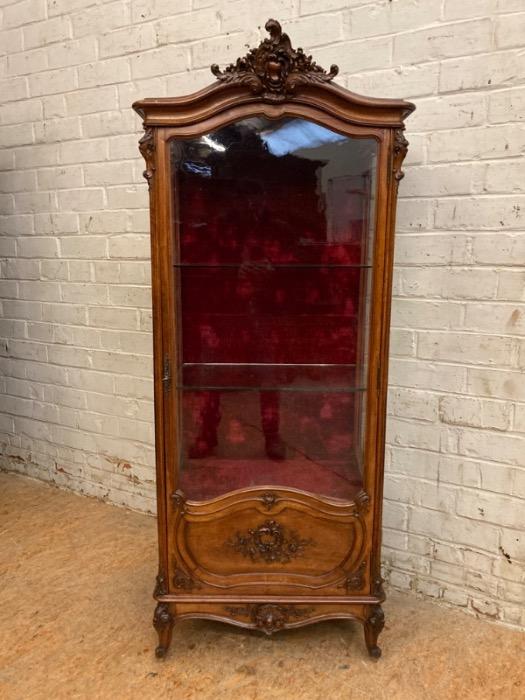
[[273, 196]]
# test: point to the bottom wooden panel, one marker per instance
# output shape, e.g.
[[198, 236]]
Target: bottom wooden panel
[[269, 617]]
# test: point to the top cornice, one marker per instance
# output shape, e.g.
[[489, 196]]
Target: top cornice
[[273, 79]]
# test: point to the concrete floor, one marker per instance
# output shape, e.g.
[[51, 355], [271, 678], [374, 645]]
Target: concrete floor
[[75, 622]]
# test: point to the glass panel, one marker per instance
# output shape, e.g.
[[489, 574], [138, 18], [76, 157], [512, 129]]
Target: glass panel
[[275, 229], [268, 314], [237, 438]]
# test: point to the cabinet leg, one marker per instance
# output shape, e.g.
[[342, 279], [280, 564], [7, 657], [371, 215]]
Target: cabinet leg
[[163, 623], [373, 626]]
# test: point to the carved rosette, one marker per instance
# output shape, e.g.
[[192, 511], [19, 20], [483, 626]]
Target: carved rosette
[[274, 69], [270, 543], [399, 153], [270, 618], [147, 149]]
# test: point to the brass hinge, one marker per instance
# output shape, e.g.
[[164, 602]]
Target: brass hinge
[[166, 373]]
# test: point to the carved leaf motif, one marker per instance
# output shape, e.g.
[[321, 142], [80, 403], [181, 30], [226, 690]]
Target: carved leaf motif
[[270, 618], [269, 542], [356, 580], [147, 149], [160, 586], [377, 618], [400, 151], [274, 69], [183, 580], [163, 622], [269, 500], [162, 616], [377, 587]]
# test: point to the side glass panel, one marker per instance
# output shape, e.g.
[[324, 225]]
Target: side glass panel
[[274, 230]]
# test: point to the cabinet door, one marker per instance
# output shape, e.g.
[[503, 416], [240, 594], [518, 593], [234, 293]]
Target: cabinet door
[[274, 234]]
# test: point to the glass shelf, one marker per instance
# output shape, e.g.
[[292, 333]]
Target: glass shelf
[[263, 264], [311, 378], [314, 390]]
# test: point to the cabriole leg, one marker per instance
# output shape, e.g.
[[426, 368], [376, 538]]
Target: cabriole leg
[[163, 623], [373, 626]]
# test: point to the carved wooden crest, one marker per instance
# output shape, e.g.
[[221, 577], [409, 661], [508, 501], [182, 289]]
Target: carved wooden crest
[[274, 69]]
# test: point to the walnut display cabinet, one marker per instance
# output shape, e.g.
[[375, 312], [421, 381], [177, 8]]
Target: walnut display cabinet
[[273, 195]]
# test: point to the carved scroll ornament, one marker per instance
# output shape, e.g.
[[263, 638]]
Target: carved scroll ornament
[[274, 69], [361, 504]]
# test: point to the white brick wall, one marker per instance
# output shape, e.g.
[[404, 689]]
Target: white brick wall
[[76, 323]]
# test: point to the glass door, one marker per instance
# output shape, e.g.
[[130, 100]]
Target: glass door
[[274, 230]]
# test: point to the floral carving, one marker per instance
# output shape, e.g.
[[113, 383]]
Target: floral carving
[[399, 152], [163, 623], [355, 581], [270, 618], [183, 580], [377, 618], [160, 586], [269, 500], [269, 542], [147, 149], [373, 626], [274, 69], [377, 587]]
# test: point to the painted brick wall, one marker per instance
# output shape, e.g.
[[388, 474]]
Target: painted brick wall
[[76, 405]]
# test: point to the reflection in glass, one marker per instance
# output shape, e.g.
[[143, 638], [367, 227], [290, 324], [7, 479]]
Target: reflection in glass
[[273, 272]]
